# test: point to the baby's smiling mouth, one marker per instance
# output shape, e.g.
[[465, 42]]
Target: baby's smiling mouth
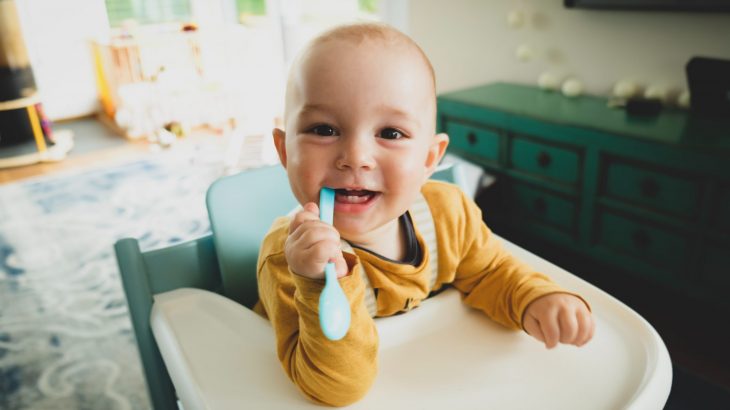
[[354, 196]]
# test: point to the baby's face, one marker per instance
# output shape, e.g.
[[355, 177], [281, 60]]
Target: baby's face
[[360, 119]]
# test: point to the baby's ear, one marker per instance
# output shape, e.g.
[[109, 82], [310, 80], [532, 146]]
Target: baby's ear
[[436, 151], [280, 144]]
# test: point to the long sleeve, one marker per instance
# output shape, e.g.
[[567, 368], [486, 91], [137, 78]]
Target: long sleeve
[[473, 260], [329, 372]]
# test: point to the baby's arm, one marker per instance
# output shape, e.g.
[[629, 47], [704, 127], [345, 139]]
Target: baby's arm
[[515, 295], [328, 372], [511, 292], [559, 317]]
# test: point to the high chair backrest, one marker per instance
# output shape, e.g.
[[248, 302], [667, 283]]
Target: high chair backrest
[[241, 209]]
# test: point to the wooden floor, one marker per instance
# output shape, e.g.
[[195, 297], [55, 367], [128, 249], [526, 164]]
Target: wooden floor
[[128, 151], [96, 145]]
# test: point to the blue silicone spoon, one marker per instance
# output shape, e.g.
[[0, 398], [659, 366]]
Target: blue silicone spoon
[[334, 308]]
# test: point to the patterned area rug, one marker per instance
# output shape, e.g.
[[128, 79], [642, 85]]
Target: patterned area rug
[[66, 340]]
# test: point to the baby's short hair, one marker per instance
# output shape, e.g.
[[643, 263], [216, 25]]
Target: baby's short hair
[[359, 32], [356, 34]]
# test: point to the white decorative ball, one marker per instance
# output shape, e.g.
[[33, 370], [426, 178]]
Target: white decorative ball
[[165, 137], [524, 52], [625, 89], [684, 100], [658, 92], [572, 88], [516, 19], [548, 81]]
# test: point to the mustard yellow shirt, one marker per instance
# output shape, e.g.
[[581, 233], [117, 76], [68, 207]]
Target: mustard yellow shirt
[[470, 259]]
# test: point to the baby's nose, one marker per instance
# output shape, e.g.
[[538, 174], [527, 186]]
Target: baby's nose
[[356, 153]]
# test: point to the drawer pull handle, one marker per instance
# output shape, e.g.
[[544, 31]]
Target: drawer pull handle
[[540, 205], [544, 159], [641, 239], [649, 188], [472, 138]]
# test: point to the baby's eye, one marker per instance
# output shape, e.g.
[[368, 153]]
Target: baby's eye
[[391, 134], [324, 130]]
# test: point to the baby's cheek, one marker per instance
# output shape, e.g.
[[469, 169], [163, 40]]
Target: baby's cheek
[[305, 184], [405, 198], [406, 172]]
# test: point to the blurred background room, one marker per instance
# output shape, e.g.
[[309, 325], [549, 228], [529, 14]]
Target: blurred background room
[[586, 117]]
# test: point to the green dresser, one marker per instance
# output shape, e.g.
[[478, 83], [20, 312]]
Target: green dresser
[[645, 195]]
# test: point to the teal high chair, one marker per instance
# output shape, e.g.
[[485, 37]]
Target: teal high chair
[[241, 208], [199, 343]]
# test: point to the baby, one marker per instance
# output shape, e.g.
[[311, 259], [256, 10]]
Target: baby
[[360, 117]]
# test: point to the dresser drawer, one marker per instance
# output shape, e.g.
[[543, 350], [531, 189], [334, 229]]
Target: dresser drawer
[[722, 207], [530, 204], [716, 266], [653, 188], [472, 140], [545, 160], [644, 242]]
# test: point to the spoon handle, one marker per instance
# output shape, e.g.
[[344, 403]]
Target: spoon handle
[[327, 205], [330, 274], [334, 308]]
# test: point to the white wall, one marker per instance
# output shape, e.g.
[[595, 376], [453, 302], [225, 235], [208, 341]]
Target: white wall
[[470, 42], [57, 35]]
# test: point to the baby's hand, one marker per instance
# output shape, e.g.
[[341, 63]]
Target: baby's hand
[[312, 243], [559, 317]]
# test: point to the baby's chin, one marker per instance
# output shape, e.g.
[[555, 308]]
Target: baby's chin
[[362, 232], [352, 235]]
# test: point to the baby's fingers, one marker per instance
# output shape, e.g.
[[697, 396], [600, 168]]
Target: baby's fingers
[[312, 233], [532, 327], [550, 329], [310, 212], [568, 326], [322, 252], [587, 328], [341, 266]]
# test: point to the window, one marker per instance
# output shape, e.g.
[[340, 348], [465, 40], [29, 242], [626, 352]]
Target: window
[[251, 7], [147, 11], [369, 6]]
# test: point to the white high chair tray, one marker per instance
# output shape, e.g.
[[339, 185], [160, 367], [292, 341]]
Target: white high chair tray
[[443, 355]]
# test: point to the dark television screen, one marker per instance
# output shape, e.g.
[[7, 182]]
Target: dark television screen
[[659, 5]]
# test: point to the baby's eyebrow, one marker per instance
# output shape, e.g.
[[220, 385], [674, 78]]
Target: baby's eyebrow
[[395, 111], [383, 109], [402, 115], [306, 109]]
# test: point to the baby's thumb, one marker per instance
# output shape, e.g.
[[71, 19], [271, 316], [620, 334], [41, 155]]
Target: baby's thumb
[[341, 267], [311, 207]]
